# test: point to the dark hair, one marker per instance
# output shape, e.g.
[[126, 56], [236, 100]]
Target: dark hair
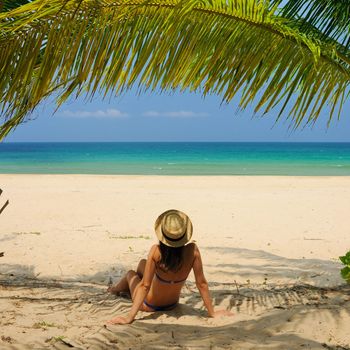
[[170, 257]]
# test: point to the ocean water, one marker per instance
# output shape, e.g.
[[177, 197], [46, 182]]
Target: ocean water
[[156, 158]]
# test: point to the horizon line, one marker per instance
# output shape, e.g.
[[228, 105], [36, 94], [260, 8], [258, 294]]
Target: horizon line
[[8, 142]]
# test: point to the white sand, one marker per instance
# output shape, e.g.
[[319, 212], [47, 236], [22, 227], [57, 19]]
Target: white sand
[[264, 240]]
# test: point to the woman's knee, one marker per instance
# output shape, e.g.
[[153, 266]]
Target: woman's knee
[[130, 274]]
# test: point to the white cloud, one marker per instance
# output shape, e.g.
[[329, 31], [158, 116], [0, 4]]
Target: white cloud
[[175, 114], [107, 114]]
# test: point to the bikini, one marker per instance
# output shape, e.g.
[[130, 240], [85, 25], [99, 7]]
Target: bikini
[[163, 307], [160, 308], [162, 280]]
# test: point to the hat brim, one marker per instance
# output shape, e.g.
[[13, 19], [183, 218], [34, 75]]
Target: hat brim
[[159, 233]]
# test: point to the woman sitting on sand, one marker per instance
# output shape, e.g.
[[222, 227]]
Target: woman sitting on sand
[[157, 282]]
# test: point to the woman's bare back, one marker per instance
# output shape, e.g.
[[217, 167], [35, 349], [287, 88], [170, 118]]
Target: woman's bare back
[[166, 285]]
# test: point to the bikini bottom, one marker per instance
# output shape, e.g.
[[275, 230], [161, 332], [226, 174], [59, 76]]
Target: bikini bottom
[[160, 308]]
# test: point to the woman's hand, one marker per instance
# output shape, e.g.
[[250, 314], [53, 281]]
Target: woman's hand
[[120, 320], [219, 313]]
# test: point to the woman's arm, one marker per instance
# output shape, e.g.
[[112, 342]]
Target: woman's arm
[[201, 282], [141, 290], [202, 286]]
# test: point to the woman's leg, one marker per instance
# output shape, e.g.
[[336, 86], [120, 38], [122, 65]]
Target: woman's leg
[[141, 267], [134, 280], [123, 286], [120, 287]]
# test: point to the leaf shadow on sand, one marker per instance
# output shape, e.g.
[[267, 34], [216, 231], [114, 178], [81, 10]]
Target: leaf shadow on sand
[[264, 266], [260, 333], [267, 316]]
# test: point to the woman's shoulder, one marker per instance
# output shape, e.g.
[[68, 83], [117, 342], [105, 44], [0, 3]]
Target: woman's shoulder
[[192, 246], [191, 250], [154, 252]]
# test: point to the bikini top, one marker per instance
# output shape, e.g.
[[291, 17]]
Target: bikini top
[[162, 280]]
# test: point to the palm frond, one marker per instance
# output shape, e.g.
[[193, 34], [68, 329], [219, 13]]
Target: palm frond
[[330, 17], [211, 46], [9, 5]]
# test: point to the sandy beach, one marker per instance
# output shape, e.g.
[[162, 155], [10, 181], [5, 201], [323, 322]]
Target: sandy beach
[[270, 248]]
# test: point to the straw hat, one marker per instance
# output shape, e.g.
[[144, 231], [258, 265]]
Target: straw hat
[[173, 228]]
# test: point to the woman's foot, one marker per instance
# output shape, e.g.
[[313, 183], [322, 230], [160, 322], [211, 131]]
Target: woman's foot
[[115, 290], [121, 288]]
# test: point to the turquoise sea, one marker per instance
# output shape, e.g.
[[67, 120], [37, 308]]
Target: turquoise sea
[[186, 158]]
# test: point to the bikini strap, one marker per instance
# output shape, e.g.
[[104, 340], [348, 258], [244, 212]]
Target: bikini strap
[[168, 282]]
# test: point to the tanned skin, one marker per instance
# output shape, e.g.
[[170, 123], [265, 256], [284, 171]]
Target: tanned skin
[[142, 285]]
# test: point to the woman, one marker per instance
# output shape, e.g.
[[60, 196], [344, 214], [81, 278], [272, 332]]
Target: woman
[[157, 282]]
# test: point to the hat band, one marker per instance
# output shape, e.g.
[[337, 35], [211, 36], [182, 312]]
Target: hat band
[[173, 239]]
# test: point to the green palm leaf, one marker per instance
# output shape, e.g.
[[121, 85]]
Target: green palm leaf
[[9, 5], [331, 17], [211, 46]]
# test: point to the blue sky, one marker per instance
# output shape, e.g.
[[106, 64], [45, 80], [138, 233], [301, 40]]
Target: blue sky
[[163, 117]]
